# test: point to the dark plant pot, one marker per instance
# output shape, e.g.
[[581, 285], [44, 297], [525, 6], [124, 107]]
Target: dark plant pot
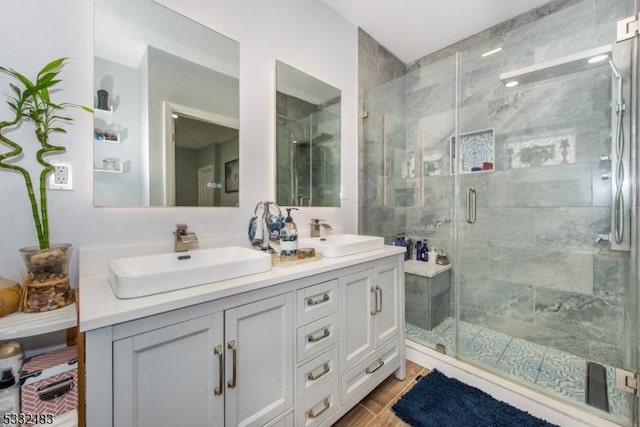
[[46, 280]]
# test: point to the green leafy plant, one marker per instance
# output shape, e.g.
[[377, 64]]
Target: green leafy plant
[[31, 103]]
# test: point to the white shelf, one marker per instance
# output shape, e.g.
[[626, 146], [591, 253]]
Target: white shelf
[[108, 141], [97, 112], [98, 170], [125, 167], [20, 325]]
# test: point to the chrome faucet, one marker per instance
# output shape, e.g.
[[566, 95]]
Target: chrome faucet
[[316, 223], [185, 239]]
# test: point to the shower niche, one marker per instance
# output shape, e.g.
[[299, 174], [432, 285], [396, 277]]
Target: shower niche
[[476, 151]]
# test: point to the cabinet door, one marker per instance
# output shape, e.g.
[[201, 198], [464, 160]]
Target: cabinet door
[[259, 342], [356, 306], [167, 376], [386, 321]]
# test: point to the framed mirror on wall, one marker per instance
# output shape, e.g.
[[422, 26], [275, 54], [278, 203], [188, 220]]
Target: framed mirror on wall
[[307, 139], [166, 108]]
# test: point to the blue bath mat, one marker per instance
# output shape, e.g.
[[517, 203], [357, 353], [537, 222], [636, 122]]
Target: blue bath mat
[[440, 401]]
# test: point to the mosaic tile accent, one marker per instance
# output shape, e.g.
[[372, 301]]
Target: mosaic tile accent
[[476, 149], [542, 151]]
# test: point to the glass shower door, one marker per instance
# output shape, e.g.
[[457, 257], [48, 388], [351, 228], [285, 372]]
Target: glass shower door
[[543, 298]]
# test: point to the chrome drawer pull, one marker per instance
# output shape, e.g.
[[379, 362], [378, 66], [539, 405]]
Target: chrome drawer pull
[[378, 289], [380, 365], [375, 302], [231, 345], [217, 350], [326, 405], [324, 335], [324, 298], [325, 371]]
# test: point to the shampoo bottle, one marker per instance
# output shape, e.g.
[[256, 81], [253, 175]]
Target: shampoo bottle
[[425, 252], [418, 250], [289, 236]]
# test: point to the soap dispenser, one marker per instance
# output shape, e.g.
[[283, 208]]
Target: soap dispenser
[[9, 397], [289, 236]]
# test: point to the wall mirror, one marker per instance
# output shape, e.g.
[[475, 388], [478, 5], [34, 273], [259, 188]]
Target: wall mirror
[[166, 109], [307, 139]]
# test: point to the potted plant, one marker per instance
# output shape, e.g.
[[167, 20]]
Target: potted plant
[[46, 281]]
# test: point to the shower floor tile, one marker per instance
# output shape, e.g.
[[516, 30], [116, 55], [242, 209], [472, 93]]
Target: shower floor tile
[[522, 359], [549, 369], [563, 374], [485, 347]]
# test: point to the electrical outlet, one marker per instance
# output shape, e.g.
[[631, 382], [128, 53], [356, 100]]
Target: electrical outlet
[[61, 177]]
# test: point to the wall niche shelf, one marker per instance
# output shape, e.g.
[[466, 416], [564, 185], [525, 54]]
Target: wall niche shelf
[[125, 167], [99, 112], [109, 141]]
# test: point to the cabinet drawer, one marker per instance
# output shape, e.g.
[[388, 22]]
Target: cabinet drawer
[[371, 371], [316, 373], [282, 421], [318, 336], [316, 301], [320, 406]]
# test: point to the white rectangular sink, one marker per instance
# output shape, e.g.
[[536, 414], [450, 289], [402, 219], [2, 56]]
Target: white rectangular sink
[[152, 274], [337, 245]]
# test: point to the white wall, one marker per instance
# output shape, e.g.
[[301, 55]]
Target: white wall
[[303, 33]]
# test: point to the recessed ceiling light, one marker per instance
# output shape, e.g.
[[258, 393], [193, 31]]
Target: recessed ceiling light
[[512, 83], [598, 58], [174, 115], [491, 52]]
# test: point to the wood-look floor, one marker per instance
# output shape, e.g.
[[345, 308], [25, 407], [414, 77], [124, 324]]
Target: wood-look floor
[[375, 409]]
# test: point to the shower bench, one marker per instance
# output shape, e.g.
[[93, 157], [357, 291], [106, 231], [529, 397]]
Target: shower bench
[[427, 293]]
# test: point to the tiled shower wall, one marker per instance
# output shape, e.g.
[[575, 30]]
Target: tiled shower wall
[[315, 162], [376, 65], [529, 266]]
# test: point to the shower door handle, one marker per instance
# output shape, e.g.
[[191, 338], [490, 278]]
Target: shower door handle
[[471, 205]]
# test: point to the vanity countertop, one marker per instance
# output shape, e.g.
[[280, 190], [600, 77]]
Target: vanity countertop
[[99, 307]]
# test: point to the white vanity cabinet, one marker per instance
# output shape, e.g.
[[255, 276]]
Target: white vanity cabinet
[[371, 318], [173, 364], [296, 346], [230, 368]]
